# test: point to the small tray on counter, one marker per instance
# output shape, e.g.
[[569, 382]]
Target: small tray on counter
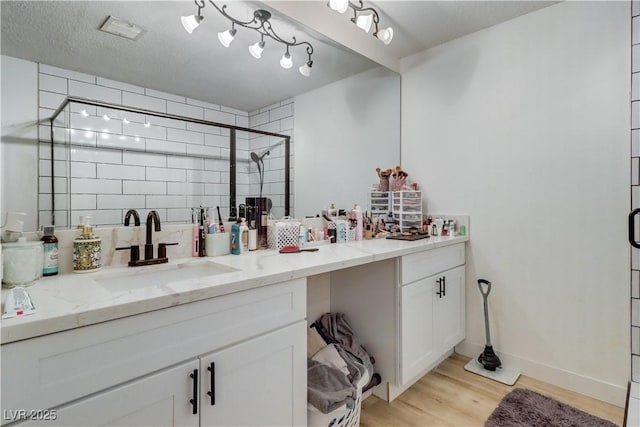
[[410, 237]]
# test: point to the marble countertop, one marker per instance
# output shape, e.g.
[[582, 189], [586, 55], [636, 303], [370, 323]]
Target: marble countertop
[[70, 301]]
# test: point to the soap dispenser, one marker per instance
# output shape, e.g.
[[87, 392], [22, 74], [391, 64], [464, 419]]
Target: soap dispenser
[[87, 249]]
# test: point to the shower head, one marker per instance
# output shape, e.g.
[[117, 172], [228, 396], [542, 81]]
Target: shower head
[[258, 157]]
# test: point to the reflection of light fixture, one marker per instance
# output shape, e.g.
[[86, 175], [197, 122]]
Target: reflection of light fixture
[[84, 113], [262, 25], [147, 124], [125, 121], [362, 19], [191, 22], [256, 49], [227, 37], [286, 61], [106, 117]]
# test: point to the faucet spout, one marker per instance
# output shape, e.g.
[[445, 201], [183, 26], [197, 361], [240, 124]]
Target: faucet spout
[[152, 218], [136, 218]]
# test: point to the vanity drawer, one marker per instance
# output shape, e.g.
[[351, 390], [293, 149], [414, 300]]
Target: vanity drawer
[[424, 264], [45, 372]]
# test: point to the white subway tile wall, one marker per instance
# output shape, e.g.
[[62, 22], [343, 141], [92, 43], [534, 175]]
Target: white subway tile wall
[[112, 160], [635, 186], [277, 118]]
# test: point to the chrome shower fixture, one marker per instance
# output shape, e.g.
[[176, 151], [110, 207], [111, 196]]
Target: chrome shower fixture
[[363, 17], [261, 24]]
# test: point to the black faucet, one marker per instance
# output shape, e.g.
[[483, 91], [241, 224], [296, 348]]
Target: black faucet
[[136, 218], [134, 260], [148, 247]]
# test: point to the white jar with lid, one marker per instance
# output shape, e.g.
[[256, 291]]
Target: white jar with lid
[[21, 262]]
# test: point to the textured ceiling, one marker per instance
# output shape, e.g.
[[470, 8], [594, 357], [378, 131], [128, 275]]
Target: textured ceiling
[[65, 34]]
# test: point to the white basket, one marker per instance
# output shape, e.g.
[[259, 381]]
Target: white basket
[[283, 233], [341, 417]]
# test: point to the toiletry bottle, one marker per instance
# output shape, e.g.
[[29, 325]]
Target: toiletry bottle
[[87, 250], [359, 225], [202, 233], [50, 265], [235, 238], [195, 233], [452, 228], [244, 237]]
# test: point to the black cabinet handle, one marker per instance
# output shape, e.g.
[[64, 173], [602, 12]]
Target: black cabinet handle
[[212, 368], [444, 285], [632, 228], [440, 292], [194, 401]]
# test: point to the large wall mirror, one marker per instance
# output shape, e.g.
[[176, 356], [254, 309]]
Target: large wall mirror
[[342, 121]]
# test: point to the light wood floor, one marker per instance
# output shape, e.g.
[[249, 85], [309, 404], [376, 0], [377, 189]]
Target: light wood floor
[[451, 396]]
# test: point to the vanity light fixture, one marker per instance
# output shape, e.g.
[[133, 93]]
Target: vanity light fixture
[[363, 17], [261, 24]]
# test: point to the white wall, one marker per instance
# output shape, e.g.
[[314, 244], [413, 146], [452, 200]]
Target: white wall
[[342, 132], [19, 145], [525, 126]]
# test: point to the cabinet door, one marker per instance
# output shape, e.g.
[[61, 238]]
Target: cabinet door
[[448, 309], [260, 382], [158, 400], [417, 344]]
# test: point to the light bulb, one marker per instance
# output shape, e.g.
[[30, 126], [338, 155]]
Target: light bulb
[[339, 6], [286, 61], [305, 69], [190, 22], [364, 22], [385, 35], [256, 49], [226, 37]]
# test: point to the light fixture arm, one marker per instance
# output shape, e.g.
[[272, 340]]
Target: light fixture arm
[[261, 24]]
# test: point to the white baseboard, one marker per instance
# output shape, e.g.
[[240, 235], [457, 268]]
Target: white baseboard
[[607, 392]]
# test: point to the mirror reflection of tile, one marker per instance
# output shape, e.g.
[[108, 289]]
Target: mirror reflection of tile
[[107, 161]]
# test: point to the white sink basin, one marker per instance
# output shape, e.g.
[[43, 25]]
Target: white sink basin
[[157, 275]]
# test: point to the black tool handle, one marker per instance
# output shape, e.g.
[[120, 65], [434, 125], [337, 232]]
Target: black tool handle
[[484, 282], [444, 286], [632, 228], [194, 401]]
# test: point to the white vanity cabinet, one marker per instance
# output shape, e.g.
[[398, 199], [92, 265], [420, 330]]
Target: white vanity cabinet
[[161, 399], [151, 369], [409, 313], [258, 382], [432, 320]]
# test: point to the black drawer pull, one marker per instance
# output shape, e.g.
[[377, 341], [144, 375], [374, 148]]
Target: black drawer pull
[[194, 401], [212, 368]]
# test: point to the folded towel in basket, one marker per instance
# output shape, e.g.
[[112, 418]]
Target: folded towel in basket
[[328, 388]]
